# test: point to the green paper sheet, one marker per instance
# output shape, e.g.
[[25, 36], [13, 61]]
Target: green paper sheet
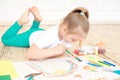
[[5, 77]]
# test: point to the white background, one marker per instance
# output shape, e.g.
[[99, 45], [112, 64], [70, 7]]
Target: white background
[[54, 10]]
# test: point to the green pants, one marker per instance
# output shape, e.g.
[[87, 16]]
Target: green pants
[[12, 38]]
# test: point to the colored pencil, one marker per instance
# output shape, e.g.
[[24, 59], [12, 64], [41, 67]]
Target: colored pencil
[[73, 55], [108, 63]]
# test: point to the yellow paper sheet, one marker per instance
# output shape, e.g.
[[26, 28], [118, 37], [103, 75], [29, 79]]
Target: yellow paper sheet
[[7, 68]]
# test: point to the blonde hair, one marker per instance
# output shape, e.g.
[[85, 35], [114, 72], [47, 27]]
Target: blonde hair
[[77, 19]]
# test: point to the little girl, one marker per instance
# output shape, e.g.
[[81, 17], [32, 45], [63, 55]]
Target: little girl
[[48, 43]]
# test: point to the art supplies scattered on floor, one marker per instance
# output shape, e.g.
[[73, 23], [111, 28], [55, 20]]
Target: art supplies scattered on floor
[[53, 68], [102, 64], [98, 49], [62, 68], [93, 59], [86, 50]]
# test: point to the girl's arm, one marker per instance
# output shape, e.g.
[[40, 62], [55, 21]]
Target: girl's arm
[[39, 54]]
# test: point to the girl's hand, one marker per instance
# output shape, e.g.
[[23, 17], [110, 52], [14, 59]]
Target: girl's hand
[[60, 48]]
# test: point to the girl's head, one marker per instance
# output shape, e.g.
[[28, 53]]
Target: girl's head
[[75, 25]]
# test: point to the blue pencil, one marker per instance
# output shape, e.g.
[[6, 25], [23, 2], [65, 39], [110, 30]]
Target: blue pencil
[[108, 63]]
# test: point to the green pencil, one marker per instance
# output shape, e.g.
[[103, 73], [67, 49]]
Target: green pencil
[[70, 54]]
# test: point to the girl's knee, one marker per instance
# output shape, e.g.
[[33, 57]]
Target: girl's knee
[[3, 40]]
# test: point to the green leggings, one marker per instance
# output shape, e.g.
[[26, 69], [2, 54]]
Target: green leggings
[[12, 38]]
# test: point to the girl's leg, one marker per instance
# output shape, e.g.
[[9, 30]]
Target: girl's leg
[[11, 38], [37, 17], [19, 40], [35, 24], [13, 30], [24, 18]]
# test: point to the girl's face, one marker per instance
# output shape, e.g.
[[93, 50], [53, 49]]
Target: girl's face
[[71, 37]]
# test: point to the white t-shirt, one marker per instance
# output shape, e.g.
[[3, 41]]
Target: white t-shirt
[[47, 39]]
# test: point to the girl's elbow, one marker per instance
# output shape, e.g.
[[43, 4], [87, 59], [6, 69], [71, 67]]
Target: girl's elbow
[[29, 54], [31, 51]]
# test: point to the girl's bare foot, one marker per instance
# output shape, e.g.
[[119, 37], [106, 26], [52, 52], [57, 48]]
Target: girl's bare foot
[[24, 18], [36, 14]]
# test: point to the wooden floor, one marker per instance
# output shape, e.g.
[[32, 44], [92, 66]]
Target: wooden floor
[[109, 34]]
